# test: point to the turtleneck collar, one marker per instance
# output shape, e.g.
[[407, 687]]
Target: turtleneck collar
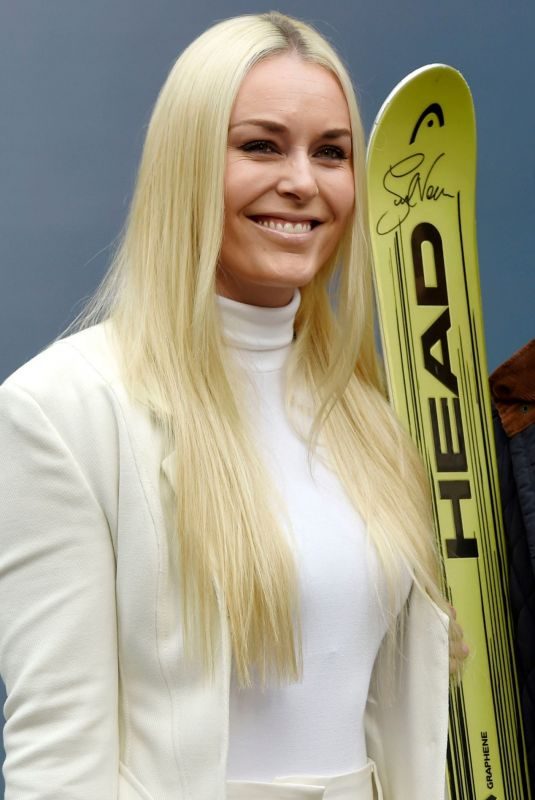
[[262, 335]]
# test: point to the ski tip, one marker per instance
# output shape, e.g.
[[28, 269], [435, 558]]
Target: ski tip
[[426, 73]]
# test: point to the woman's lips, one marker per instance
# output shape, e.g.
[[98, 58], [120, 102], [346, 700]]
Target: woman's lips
[[282, 225]]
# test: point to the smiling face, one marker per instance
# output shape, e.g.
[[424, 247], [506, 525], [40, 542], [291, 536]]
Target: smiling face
[[289, 188]]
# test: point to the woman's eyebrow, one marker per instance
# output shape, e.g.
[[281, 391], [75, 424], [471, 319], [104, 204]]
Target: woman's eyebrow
[[269, 125], [277, 127], [336, 133]]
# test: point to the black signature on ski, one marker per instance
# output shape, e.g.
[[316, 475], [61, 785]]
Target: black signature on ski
[[409, 185]]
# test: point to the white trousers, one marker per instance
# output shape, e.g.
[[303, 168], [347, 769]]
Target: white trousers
[[360, 785]]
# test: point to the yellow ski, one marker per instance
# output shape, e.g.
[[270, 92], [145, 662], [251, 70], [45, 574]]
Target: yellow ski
[[421, 184]]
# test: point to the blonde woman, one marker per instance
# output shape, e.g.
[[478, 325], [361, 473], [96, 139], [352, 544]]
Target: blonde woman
[[218, 576]]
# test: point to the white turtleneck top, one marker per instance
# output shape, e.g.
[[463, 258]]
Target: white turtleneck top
[[315, 726]]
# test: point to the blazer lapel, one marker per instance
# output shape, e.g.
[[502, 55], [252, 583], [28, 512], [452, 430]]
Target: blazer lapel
[[201, 703], [407, 737]]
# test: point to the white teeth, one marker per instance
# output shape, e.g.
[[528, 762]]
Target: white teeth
[[287, 227]]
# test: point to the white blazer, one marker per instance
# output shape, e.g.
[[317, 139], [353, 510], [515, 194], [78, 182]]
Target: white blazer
[[101, 703]]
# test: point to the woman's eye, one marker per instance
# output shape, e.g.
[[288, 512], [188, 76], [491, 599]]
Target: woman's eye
[[259, 146], [332, 152]]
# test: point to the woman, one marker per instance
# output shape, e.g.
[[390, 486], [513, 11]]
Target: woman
[[213, 529]]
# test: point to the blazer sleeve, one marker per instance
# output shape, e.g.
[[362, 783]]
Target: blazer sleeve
[[58, 639]]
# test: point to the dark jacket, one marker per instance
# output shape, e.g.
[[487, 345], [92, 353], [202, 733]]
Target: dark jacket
[[513, 393]]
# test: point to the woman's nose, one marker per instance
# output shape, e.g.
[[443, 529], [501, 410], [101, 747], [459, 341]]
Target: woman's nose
[[298, 178]]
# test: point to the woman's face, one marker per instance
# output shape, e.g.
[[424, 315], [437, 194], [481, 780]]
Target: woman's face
[[289, 187]]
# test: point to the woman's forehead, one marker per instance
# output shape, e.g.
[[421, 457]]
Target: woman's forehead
[[286, 85]]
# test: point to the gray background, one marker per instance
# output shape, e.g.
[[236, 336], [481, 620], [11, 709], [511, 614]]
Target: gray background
[[78, 79]]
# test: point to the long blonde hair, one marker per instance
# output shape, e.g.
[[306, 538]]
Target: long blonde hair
[[160, 297]]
